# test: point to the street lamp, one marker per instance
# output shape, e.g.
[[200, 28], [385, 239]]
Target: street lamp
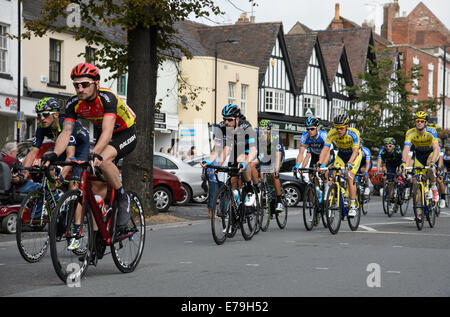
[[443, 87], [232, 41]]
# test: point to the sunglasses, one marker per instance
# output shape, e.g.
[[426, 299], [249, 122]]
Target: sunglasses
[[310, 129], [228, 119], [421, 121], [43, 115], [82, 84]]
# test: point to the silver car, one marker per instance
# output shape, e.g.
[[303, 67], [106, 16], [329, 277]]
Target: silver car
[[190, 177]]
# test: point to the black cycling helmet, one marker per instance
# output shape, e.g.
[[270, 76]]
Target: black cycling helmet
[[341, 120], [312, 122], [231, 111]]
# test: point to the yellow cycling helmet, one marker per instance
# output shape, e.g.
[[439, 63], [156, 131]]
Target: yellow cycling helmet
[[421, 115]]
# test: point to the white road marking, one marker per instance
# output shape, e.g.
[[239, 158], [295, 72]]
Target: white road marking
[[250, 264], [188, 241], [187, 262], [321, 268], [393, 272], [397, 246], [367, 228]]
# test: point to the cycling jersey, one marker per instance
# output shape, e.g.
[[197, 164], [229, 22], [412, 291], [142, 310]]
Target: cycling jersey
[[240, 140], [42, 132], [365, 152], [391, 159], [107, 103], [313, 146], [274, 146], [422, 143], [446, 159], [346, 143]]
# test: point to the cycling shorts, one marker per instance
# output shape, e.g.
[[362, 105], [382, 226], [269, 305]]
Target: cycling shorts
[[342, 158], [124, 142]]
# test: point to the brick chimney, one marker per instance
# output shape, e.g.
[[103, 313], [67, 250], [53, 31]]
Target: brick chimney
[[243, 19], [337, 22], [390, 12]]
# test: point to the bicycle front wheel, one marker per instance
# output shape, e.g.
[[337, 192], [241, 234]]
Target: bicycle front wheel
[[391, 199], [221, 215], [432, 212], [418, 205], [31, 227], [70, 265], [353, 222], [128, 246], [333, 209], [249, 220]]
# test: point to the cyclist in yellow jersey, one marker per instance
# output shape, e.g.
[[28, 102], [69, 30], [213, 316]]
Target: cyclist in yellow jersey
[[426, 147], [347, 141]]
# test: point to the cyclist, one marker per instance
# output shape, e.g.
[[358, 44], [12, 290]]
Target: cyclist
[[115, 130], [312, 140], [347, 141], [440, 176], [389, 158], [238, 140], [364, 168], [273, 145], [426, 145], [50, 126]]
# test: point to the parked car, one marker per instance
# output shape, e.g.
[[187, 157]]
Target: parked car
[[189, 176], [167, 189]]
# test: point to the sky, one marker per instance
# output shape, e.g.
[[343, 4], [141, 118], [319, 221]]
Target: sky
[[317, 14]]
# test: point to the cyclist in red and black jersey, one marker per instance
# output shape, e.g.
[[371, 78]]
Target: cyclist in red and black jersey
[[115, 129]]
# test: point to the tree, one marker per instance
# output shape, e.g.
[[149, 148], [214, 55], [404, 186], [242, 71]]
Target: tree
[[143, 28], [386, 99]]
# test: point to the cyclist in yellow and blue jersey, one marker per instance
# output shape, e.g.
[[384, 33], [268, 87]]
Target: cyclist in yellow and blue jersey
[[347, 141], [426, 147]]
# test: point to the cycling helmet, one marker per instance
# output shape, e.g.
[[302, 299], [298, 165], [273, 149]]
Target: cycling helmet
[[387, 141], [265, 124], [341, 120], [421, 115], [85, 70], [312, 122], [231, 110], [47, 104]]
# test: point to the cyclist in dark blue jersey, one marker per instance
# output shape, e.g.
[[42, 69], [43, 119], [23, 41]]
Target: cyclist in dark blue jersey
[[366, 165]]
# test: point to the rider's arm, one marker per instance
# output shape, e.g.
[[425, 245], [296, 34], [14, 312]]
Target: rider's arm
[[106, 135], [64, 137], [324, 155], [300, 154], [306, 159], [355, 152], [436, 152], [29, 159], [405, 155], [70, 152]]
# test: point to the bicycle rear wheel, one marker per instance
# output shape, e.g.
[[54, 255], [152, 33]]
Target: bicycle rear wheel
[[431, 215], [221, 215], [265, 214], [391, 199], [32, 226], [128, 245], [353, 222], [404, 202], [333, 209], [281, 216], [70, 265], [418, 206], [383, 197], [249, 220], [309, 207]]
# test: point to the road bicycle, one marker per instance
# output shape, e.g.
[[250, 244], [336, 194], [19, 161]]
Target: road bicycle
[[313, 198], [35, 213], [229, 211], [421, 203], [268, 204], [362, 198], [394, 194], [337, 202], [447, 189], [126, 244]]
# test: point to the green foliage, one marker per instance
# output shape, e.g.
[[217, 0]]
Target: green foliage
[[121, 17], [386, 101]]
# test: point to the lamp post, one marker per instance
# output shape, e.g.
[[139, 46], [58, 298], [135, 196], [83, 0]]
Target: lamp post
[[232, 41], [443, 87]]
